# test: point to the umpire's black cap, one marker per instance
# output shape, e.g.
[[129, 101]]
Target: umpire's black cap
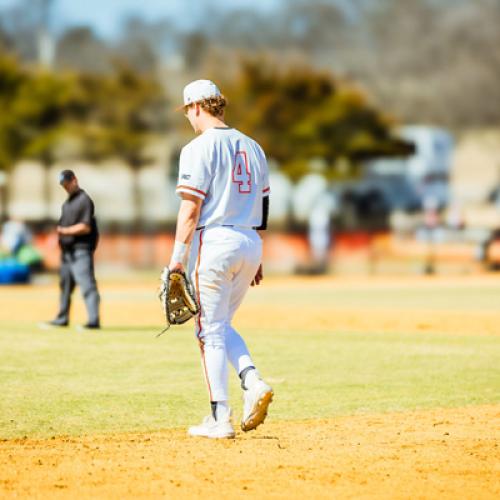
[[66, 176]]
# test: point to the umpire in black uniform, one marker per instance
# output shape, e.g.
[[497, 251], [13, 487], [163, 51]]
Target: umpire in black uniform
[[78, 236]]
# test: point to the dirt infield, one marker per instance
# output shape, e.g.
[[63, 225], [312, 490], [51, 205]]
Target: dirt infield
[[432, 454]]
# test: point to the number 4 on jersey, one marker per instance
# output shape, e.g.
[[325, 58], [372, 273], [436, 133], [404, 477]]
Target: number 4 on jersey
[[241, 172]]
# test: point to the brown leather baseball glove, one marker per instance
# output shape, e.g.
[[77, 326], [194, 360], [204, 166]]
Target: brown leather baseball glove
[[177, 298]]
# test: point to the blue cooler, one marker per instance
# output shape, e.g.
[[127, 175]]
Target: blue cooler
[[12, 271]]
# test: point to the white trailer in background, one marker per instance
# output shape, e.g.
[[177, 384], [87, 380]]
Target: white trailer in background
[[408, 183]]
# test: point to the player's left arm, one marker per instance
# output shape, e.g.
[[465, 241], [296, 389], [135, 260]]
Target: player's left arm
[[266, 191], [187, 221], [259, 275]]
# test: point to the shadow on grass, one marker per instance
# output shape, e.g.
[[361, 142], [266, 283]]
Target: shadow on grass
[[131, 329]]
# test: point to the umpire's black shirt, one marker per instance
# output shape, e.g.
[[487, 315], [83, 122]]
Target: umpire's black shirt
[[78, 208]]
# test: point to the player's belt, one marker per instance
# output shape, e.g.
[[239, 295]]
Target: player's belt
[[226, 225]]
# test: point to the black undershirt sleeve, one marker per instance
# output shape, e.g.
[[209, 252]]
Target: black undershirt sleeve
[[265, 213]]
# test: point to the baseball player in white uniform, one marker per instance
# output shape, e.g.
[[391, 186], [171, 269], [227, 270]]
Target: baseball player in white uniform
[[224, 186]]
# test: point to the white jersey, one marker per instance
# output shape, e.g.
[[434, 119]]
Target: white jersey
[[228, 171]]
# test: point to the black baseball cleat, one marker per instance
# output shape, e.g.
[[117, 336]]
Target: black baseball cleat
[[55, 323], [89, 326]]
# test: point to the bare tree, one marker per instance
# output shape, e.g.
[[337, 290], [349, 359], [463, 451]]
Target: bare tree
[[421, 60], [79, 48]]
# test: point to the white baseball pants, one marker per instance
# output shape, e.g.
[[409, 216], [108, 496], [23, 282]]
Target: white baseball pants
[[223, 262]]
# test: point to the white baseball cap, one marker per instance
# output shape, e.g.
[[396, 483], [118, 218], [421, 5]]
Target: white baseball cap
[[198, 90]]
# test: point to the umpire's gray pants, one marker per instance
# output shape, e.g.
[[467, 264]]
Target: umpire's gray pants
[[77, 268]]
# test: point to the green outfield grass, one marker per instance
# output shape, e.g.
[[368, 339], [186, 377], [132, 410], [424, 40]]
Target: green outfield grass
[[124, 379]]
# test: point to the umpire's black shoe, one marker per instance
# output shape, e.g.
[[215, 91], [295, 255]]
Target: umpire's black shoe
[[89, 326], [55, 323]]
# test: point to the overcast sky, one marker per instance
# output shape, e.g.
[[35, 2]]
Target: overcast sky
[[106, 16]]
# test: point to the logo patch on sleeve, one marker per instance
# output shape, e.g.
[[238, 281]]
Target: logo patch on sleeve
[[186, 176]]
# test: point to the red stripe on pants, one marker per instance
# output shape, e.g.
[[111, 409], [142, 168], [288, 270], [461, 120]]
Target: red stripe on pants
[[200, 340]]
